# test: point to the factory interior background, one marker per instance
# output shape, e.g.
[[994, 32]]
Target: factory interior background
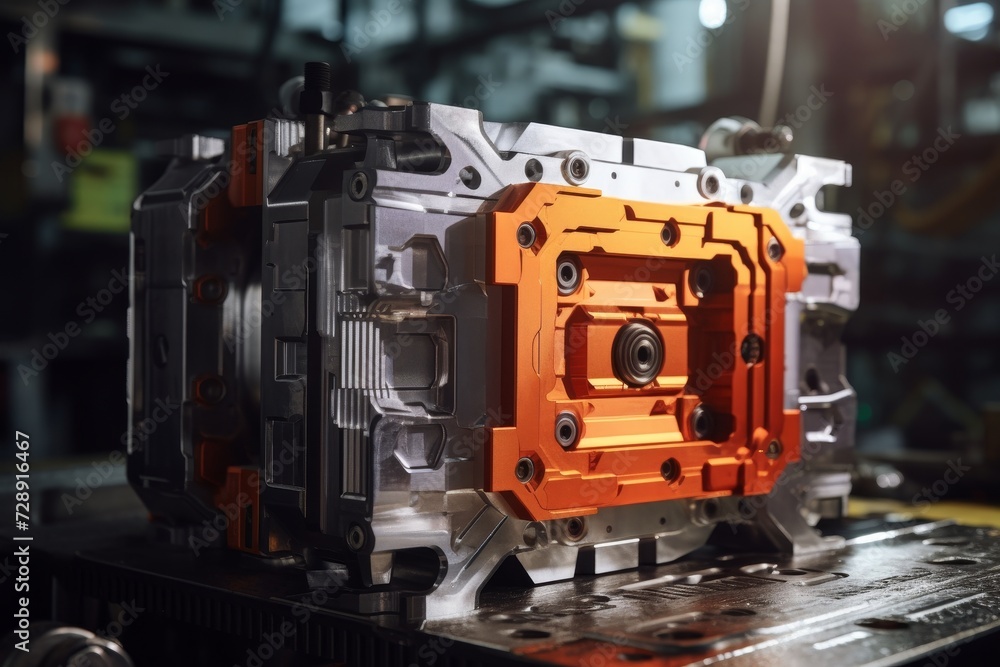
[[907, 91]]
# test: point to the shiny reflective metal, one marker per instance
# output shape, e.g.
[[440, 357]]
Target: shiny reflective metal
[[357, 331], [889, 597]]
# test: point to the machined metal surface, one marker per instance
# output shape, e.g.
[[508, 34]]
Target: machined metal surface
[[360, 338], [891, 594], [885, 598]]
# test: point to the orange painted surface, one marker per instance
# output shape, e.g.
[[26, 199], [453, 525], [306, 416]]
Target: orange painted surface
[[559, 350], [246, 185]]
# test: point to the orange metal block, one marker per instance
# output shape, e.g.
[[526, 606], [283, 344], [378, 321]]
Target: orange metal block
[[239, 502], [246, 184], [700, 279]]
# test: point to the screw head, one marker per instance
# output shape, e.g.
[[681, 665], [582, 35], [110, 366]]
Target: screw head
[[773, 450], [670, 234], [567, 429], [526, 235], [358, 187], [356, 537], [567, 276], [575, 528], [533, 170], [701, 281], [774, 249], [752, 349], [710, 182], [576, 168], [524, 470], [701, 422], [671, 470]]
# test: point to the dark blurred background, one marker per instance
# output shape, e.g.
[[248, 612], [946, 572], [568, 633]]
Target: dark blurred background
[[908, 91]]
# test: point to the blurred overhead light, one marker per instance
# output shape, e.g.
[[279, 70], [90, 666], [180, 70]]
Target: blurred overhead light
[[970, 21], [712, 13]]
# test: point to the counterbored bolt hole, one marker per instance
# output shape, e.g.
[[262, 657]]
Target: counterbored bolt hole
[[524, 470], [701, 281], [575, 528], [671, 470], [567, 276], [774, 250], [359, 185], [526, 235], [533, 170], [356, 537], [669, 234], [567, 429], [701, 422]]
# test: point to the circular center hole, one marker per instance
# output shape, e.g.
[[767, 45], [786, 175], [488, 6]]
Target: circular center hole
[[701, 423], [579, 168], [643, 354], [565, 431], [671, 470]]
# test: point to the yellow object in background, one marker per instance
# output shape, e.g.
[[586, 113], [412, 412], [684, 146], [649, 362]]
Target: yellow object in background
[[101, 191], [969, 514]]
